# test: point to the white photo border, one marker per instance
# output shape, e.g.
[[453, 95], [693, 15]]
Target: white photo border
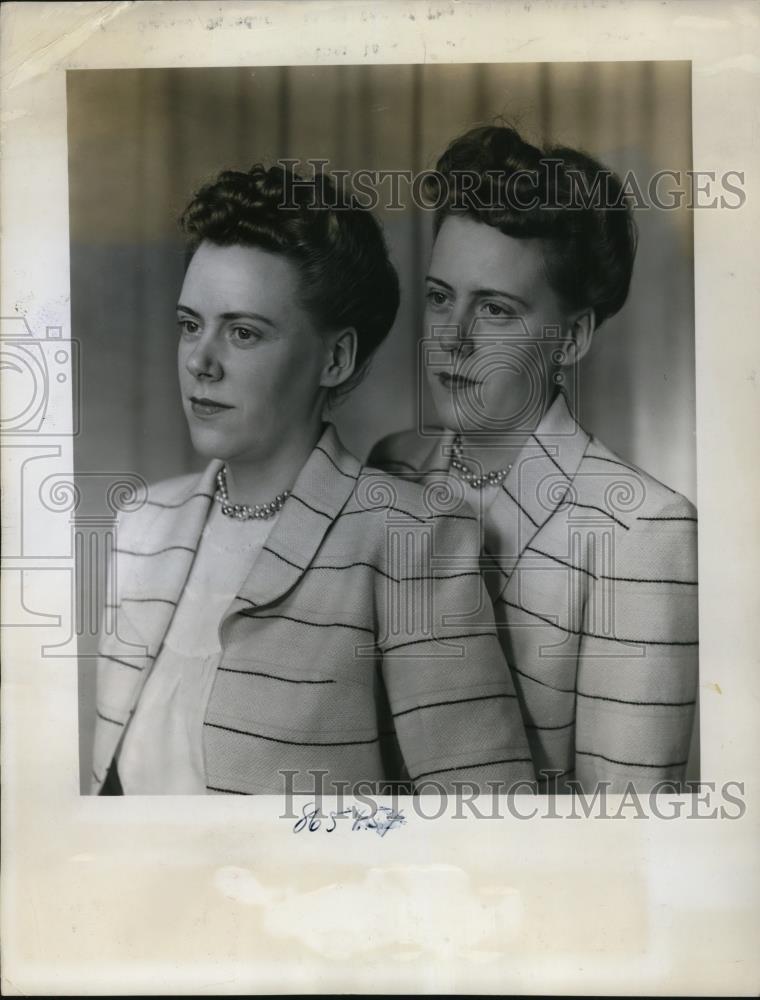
[[177, 895]]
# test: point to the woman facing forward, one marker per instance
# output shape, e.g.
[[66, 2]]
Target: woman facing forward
[[274, 613], [593, 562]]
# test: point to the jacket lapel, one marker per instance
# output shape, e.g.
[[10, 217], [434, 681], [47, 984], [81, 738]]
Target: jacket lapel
[[320, 492], [536, 486]]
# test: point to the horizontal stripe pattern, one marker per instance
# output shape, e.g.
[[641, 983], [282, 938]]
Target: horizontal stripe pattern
[[596, 604], [475, 767], [452, 702], [586, 633], [634, 677], [276, 677], [334, 658]]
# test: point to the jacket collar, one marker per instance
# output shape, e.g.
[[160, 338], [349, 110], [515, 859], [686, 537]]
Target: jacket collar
[[538, 484], [320, 492], [535, 488], [548, 462]]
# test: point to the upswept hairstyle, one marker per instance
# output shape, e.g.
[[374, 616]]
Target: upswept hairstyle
[[347, 279], [559, 195]]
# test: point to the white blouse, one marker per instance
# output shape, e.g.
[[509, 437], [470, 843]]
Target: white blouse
[[162, 749]]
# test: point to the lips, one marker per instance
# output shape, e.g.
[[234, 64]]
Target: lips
[[202, 406]]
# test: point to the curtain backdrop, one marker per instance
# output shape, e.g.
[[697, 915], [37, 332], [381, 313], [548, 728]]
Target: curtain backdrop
[[141, 141]]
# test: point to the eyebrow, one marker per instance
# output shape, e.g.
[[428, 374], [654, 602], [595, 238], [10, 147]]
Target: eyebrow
[[229, 315], [481, 291]]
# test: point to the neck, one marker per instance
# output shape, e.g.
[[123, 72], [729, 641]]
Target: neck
[[497, 451], [259, 480], [492, 452]]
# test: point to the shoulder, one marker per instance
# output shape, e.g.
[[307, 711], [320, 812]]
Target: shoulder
[[657, 540], [383, 492], [403, 462], [634, 491], [403, 451], [389, 513]]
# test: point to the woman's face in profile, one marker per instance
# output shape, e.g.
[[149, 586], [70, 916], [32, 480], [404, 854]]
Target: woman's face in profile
[[250, 356], [493, 324]]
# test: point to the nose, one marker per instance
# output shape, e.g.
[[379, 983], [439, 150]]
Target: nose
[[203, 360], [454, 336]]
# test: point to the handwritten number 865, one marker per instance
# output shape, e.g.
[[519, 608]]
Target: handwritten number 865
[[312, 820]]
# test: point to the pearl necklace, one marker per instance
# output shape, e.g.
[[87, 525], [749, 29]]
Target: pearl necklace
[[242, 511], [477, 482]]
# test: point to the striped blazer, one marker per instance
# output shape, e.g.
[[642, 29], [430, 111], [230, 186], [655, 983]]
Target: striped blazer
[[362, 643], [591, 565]]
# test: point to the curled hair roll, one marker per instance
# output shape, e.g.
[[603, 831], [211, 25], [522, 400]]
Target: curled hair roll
[[570, 201]]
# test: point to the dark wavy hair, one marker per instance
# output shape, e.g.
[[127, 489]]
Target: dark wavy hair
[[347, 278], [559, 195]]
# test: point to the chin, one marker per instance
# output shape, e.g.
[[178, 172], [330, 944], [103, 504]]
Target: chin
[[209, 445], [444, 409], [452, 416], [204, 450]]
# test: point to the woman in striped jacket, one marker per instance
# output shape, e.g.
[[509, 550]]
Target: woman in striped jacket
[[288, 619], [591, 562]]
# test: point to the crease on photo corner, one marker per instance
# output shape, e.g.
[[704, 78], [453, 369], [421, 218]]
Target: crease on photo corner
[[47, 47], [411, 907]]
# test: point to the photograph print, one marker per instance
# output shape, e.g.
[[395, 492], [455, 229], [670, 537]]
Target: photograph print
[[387, 443]]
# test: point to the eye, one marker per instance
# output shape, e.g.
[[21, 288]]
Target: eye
[[436, 297], [244, 334], [188, 326], [496, 310]]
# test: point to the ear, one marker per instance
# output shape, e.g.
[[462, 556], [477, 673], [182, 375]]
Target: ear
[[580, 334], [341, 358]]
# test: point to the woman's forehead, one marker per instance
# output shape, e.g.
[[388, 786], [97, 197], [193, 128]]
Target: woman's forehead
[[470, 254], [244, 274]]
